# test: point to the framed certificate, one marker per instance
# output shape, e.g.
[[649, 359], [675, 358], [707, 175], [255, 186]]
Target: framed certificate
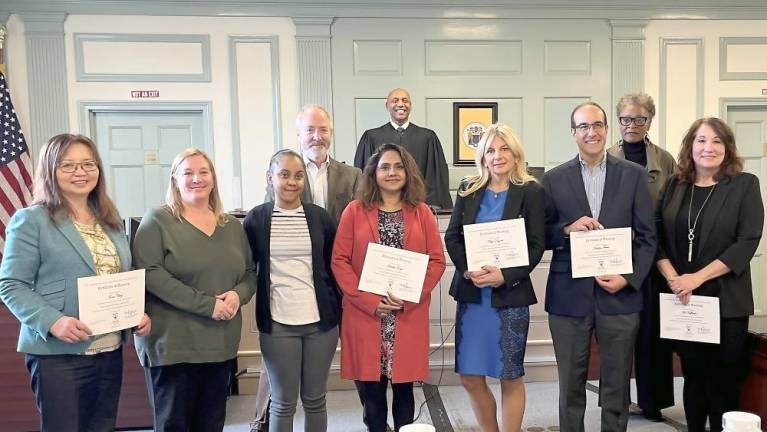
[[470, 120]]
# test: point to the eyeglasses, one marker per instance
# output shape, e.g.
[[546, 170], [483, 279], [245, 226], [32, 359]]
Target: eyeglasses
[[584, 127], [639, 121], [70, 167]]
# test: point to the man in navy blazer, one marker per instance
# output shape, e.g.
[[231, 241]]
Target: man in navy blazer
[[594, 191]]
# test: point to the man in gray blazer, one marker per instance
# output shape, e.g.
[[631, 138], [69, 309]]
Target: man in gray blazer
[[329, 184], [593, 191]]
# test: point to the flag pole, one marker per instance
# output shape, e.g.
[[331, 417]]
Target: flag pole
[[3, 34]]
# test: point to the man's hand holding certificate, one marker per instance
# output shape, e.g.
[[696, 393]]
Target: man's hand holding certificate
[[398, 271], [500, 244], [601, 252], [696, 321], [111, 302]]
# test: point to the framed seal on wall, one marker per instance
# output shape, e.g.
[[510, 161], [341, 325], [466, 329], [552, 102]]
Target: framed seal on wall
[[470, 120]]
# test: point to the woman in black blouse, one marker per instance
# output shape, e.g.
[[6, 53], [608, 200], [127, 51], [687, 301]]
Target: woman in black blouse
[[709, 226]]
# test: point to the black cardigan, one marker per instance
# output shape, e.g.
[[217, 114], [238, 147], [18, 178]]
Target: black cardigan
[[322, 231], [525, 201]]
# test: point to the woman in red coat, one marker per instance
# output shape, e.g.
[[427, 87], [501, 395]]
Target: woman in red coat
[[384, 338]]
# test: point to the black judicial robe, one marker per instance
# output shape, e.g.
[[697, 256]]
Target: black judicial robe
[[425, 148]]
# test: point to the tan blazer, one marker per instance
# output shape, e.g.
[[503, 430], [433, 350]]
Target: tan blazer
[[660, 166]]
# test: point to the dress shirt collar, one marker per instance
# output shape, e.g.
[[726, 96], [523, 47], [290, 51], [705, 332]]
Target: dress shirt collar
[[403, 126]]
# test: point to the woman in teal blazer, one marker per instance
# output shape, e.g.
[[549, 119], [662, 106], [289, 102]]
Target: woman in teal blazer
[[72, 230]]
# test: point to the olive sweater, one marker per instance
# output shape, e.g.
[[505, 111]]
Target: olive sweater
[[185, 270]]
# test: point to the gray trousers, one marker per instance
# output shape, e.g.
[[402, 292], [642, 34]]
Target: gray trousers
[[616, 335], [298, 357]]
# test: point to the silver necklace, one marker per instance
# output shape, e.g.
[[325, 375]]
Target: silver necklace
[[691, 230]]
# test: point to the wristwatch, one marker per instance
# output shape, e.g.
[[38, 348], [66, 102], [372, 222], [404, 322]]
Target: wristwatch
[[466, 275]]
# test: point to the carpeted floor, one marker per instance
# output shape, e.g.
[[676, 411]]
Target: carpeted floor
[[540, 415]]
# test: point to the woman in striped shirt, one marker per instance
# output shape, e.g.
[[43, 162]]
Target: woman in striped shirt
[[297, 301]]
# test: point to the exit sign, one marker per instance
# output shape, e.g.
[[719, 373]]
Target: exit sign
[[145, 93]]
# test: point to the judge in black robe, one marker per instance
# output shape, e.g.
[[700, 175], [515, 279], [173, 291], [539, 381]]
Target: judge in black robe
[[425, 148]]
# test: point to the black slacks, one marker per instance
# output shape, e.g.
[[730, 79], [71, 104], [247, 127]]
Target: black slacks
[[713, 375], [375, 406], [76, 393], [653, 360], [189, 397]]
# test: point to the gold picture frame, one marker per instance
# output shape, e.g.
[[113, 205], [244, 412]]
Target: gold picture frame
[[470, 120]]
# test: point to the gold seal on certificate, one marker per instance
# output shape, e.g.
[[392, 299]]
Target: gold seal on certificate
[[111, 302], [500, 244], [387, 269], [601, 252], [696, 321]]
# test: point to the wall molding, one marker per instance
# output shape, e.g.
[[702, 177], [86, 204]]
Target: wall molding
[[663, 91], [315, 85], [47, 77], [458, 9], [80, 39], [628, 49], [274, 50], [724, 44], [498, 46]]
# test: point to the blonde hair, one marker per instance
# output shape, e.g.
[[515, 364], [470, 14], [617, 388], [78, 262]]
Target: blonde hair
[[173, 196], [518, 174]]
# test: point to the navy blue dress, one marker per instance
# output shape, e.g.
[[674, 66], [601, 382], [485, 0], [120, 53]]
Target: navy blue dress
[[491, 341]]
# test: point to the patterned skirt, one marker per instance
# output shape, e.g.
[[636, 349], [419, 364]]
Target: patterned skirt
[[490, 341]]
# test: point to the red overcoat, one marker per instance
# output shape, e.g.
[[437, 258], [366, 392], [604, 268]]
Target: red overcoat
[[360, 326]]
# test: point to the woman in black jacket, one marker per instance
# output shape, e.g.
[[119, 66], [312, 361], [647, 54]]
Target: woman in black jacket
[[493, 315], [709, 225], [297, 300]]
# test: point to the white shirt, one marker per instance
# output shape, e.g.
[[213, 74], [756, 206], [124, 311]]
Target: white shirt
[[291, 296], [396, 126], [318, 181]]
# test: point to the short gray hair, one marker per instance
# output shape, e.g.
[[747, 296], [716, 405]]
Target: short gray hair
[[642, 99], [309, 107]]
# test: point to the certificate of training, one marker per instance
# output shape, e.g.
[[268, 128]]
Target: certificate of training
[[601, 252], [696, 321], [111, 302], [500, 244], [387, 269]]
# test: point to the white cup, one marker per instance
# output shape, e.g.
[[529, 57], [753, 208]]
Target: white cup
[[417, 427], [738, 421]]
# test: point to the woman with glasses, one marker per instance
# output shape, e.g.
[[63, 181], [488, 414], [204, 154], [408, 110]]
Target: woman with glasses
[[199, 272], [386, 339], [493, 315], [72, 230], [653, 361]]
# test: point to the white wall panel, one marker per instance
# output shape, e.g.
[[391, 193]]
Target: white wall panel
[[377, 57], [473, 57], [567, 57]]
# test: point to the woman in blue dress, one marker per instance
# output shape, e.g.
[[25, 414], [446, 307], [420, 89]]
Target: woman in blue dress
[[493, 315]]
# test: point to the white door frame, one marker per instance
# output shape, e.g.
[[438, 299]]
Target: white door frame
[[727, 103], [88, 110]]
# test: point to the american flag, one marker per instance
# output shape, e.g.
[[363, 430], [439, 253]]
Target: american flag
[[15, 163]]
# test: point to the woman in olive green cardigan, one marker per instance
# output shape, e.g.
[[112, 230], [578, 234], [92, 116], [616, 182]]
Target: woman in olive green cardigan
[[199, 271]]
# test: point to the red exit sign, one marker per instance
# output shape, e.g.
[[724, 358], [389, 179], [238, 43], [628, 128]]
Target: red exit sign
[[145, 93]]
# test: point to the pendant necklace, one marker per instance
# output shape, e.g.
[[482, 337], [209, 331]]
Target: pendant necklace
[[691, 230]]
